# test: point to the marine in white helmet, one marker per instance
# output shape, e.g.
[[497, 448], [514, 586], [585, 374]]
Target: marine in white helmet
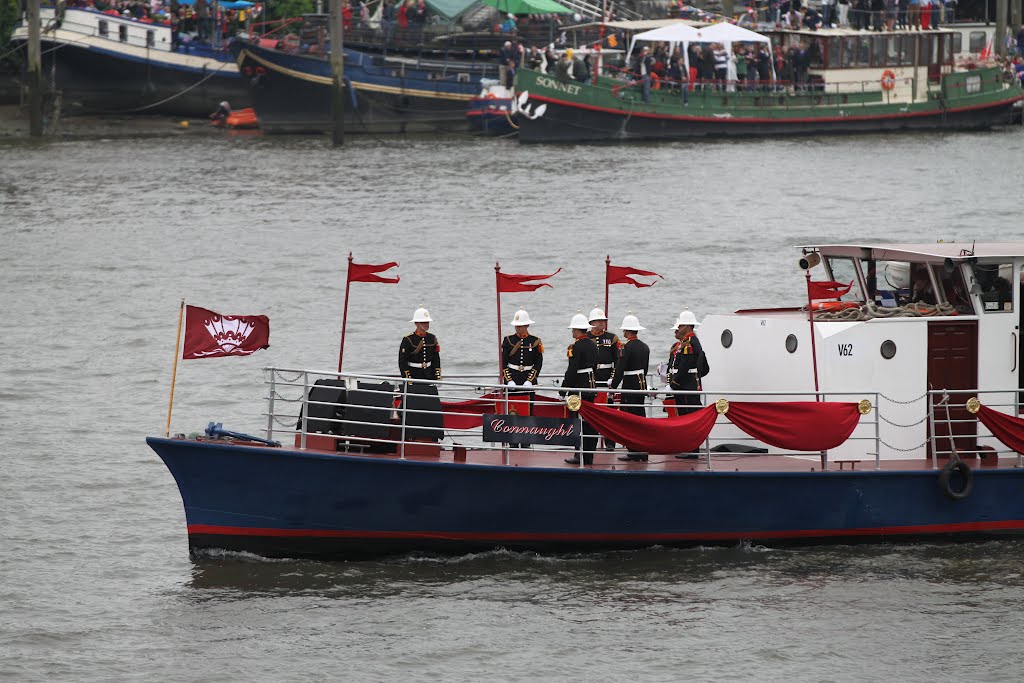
[[419, 355], [687, 364], [579, 376], [631, 373], [522, 357], [607, 346]]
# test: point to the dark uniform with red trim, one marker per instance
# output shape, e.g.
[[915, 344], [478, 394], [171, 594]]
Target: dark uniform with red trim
[[607, 355], [419, 356], [683, 362], [521, 358], [579, 375], [631, 373]]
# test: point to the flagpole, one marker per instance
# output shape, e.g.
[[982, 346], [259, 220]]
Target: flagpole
[[174, 373], [497, 294], [607, 266], [810, 321], [344, 316]]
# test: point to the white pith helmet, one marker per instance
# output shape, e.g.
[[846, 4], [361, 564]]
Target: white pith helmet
[[597, 314], [630, 322], [579, 322], [421, 315], [521, 318], [687, 318]]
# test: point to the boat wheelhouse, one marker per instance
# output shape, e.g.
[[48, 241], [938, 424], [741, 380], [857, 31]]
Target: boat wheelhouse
[[884, 408], [109, 63], [828, 80]]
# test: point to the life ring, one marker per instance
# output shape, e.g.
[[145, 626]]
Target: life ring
[[966, 474], [888, 80], [834, 305], [490, 96]]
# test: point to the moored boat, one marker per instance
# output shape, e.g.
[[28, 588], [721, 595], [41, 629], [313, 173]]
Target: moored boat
[[492, 111], [109, 63], [848, 82], [884, 409]]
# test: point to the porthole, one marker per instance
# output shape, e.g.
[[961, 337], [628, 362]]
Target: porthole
[[791, 343], [888, 349], [726, 338]]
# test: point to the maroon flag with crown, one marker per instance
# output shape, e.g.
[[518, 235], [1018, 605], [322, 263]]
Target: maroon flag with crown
[[212, 335]]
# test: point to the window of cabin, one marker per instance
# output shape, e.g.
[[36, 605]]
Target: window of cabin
[[996, 290], [849, 52], [977, 41], [958, 43], [956, 290], [816, 48], [892, 51], [104, 29], [122, 33], [946, 54], [835, 50], [878, 51], [843, 270], [150, 38], [864, 51], [933, 50], [907, 50]]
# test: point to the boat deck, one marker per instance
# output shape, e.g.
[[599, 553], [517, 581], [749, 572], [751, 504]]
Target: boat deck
[[719, 462]]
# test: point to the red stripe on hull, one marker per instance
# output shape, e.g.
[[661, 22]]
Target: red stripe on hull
[[920, 529]]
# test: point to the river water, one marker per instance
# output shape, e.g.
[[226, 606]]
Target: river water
[[102, 238]]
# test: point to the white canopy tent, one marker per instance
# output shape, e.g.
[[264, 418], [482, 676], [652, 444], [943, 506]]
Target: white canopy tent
[[724, 33]]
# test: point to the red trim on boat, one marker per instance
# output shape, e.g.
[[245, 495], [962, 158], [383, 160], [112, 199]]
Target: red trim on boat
[[1004, 525], [812, 119]]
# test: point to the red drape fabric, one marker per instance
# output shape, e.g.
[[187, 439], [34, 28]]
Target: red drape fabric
[[648, 435], [797, 425], [1006, 428]]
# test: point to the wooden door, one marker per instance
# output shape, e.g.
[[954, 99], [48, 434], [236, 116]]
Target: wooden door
[[952, 365]]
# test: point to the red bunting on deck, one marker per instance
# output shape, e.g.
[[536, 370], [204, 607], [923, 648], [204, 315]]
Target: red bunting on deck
[[366, 272], [796, 425], [648, 435], [829, 289], [211, 335], [620, 275], [510, 282], [1006, 428]]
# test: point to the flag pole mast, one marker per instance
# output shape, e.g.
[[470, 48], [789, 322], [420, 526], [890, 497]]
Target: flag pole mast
[[497, 294], [174, 373], [607, 265], [810, 321], [344, 316]]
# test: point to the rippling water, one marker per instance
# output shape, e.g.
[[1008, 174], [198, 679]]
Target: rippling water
[[102, 238]]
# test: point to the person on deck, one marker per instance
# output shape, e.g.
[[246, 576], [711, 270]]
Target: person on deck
[[922, 292], [607, 355], [579, 376], [685, 365], [631, 373], [220, 116], [522, 357], [563, 67], [419, 355]]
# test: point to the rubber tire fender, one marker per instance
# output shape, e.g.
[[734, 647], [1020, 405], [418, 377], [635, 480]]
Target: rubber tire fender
[[966, 473]]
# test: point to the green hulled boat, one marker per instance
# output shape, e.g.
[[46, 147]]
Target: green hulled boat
[[857, 82]]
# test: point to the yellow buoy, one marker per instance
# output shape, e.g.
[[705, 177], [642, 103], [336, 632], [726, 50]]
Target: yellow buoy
[[184, 124]]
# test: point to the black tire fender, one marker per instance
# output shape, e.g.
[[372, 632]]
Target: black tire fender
[[966, 475]]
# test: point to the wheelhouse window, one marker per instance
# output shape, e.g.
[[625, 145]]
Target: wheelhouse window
[[122, 32], [844, 271], [996, 290], [976, 41], [958, 43], [104, 29], [150, 38]]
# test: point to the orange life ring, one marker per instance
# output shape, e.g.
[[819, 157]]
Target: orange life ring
[[888, 80], [490, 96], [834, 305]]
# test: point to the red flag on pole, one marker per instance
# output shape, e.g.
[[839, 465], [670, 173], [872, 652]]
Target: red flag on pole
[[211, 335], [829, 289], [620, 275], [509, 282], [366, 272]]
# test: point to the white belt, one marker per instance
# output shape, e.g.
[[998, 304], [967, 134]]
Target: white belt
[[634, 372], [584, 372], [694, 371], [520, 368], [605, 366], [420, 365]]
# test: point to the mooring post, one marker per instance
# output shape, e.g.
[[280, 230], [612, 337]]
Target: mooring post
[[337, 73], [35, 70]]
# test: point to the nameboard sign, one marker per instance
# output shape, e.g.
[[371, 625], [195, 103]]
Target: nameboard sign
[[526, 429]]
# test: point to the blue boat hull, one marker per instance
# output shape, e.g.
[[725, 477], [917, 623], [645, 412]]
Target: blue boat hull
[[292, 93], [289, 503]]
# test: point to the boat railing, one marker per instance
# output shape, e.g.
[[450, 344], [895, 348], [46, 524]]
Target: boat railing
[[954, 429], [383, 413]]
